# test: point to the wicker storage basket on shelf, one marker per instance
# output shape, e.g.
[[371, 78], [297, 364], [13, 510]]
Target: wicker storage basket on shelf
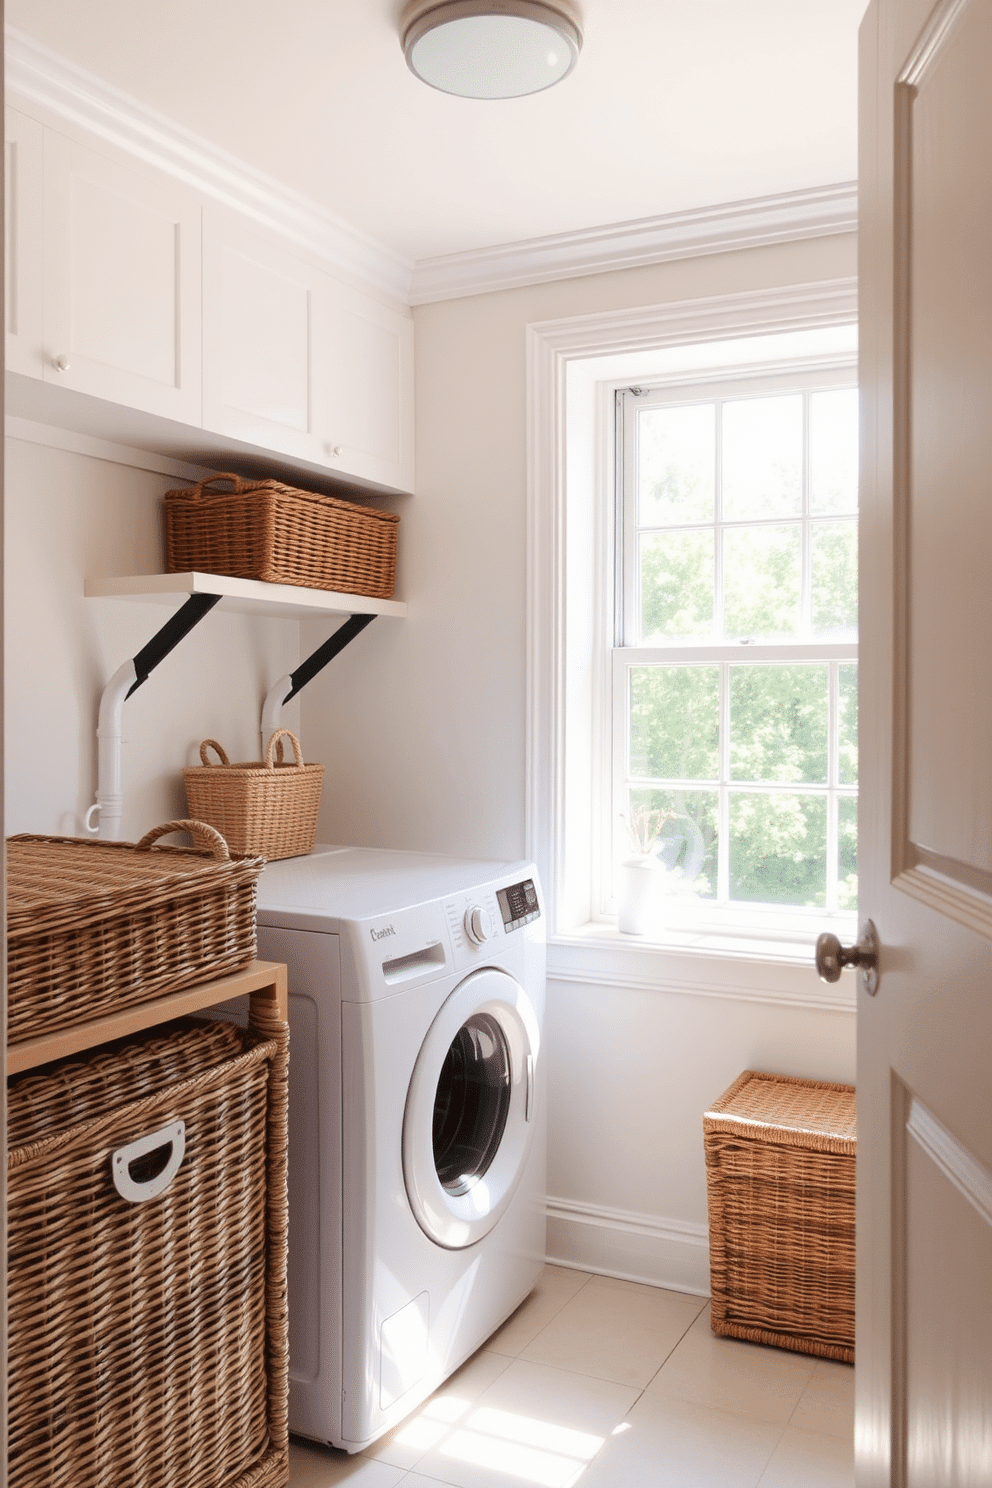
[[780, 1168], [147, 1313], [93, 926], [265, 806], [265, 530]]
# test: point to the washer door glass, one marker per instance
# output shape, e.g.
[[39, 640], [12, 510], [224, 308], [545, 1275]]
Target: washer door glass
[[471, 1103], [470, 1109]]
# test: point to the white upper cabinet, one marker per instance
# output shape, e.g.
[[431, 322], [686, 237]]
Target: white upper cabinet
[[299, 362], [368, 415], [23, 213], [122, 282], [260, 368], [128, 285]]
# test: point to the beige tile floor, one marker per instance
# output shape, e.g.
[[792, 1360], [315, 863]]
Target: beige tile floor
[[608, 1384]]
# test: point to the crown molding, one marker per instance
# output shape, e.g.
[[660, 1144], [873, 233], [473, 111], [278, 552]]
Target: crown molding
[[71, 95], [41, 77], [818, 212]]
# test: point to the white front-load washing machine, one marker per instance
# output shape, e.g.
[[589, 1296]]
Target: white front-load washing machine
[[417, 1121]]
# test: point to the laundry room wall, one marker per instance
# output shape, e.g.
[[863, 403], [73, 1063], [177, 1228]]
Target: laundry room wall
[[78, 507], [422, 726]]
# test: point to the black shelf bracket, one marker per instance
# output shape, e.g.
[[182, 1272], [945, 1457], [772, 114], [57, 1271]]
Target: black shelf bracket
[[307, 670], [175, 629]]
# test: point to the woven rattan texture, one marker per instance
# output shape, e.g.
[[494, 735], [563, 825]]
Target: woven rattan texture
[[94, 926], [259, 807], [810, 1113], [273, 532], [147, 1341], [780, 1163]]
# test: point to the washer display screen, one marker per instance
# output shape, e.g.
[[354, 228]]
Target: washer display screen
[[471, 1103], [518, 904]]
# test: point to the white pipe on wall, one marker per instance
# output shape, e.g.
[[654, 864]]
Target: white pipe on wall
[[109, 802], [272, 708]]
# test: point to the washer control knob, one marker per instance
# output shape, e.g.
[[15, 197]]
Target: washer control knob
[[478, 924]]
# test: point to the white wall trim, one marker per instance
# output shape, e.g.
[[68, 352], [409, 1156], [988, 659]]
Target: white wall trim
[[76, 97], [632, 1247], [585, 343], [819, 212], [956, 1163], [815, 994], [54, 437]]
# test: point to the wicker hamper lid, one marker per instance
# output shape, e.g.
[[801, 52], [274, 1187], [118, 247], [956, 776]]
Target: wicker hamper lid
[[787, 1110], [61, 882]]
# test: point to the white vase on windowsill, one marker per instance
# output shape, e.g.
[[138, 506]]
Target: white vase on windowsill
[[639, 898]]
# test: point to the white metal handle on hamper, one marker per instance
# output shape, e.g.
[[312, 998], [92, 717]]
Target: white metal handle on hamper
[[137, 1192]]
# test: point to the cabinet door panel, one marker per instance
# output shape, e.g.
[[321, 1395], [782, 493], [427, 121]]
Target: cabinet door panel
[[23, 215], [369, 413], [259, 320], [122, 282]]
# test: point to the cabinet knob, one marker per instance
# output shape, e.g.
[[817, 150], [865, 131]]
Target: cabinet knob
[[60, 363], [335, 450]]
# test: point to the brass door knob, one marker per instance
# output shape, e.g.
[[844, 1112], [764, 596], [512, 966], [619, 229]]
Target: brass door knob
[[832, 957]]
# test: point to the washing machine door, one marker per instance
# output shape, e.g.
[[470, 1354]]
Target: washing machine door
[[470, 1109]]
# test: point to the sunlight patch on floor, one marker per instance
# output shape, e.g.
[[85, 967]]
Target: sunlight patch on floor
[[521, 1447]]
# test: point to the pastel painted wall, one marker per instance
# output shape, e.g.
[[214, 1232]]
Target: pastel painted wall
[[422, 726], [70, 515]]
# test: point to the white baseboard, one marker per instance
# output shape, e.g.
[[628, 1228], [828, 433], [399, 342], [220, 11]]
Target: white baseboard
[[632, 1247]]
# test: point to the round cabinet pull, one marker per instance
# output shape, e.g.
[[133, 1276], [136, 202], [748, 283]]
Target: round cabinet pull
[[60, 363], [335, 450], [832, 957]]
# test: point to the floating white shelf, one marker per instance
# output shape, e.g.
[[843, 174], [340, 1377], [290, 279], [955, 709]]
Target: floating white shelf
[[247, 596]]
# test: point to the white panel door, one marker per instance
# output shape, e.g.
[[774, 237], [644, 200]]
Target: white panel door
[[122, 282], [261, 378], [23, 223], [924, 1224], [368, 417]]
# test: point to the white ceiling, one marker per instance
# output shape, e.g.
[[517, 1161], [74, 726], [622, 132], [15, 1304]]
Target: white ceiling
[[674, 105]]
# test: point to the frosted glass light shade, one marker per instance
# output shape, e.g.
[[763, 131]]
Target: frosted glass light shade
[[490, 48]]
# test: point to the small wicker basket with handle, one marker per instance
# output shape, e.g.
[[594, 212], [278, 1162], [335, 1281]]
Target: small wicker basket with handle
[[270, 804], [269, 531]]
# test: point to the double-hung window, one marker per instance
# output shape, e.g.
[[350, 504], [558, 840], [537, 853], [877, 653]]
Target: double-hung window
[[734, 669]]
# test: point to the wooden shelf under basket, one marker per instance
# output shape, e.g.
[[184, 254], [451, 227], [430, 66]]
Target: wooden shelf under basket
[[262, 979]]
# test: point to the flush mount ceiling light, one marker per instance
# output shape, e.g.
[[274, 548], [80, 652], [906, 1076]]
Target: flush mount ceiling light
[[491, 48]]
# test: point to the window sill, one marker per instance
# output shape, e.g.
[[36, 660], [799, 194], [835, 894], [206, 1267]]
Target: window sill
[[699, 962]]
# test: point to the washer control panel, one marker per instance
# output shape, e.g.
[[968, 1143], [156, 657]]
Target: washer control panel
[[518, 904]]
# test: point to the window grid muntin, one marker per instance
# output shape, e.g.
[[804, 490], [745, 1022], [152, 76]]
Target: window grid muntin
[[683, 651], [725, 786], [635, 531]]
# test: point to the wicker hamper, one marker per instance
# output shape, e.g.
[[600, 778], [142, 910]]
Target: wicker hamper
[[780, 1166], [147, 1316], [94, 926], [265, 530], [266, 807]]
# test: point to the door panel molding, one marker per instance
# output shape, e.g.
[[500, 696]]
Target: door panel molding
[[955, 1161], [941, 855]]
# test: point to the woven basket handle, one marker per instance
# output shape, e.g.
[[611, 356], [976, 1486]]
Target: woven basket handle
[[195, 492], [212, 744], [201, 833], [277, 739]]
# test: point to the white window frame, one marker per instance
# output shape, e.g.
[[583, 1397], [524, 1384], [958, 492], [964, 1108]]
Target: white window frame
[[724, 916], [574, 369]]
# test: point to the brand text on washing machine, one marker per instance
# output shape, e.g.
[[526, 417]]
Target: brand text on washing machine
[[381, 934]]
